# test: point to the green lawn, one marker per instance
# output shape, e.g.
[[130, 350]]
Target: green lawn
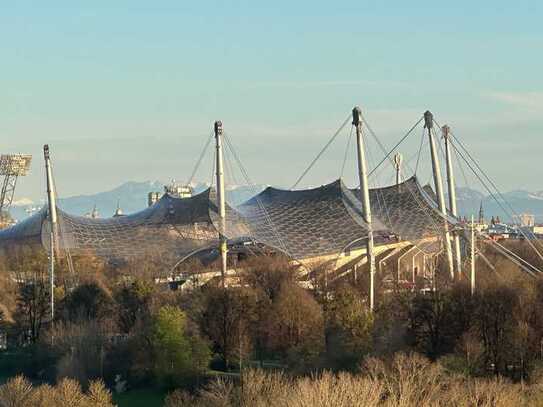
[[140, 398]]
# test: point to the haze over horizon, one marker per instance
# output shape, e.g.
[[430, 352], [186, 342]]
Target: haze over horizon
[[130, 91]]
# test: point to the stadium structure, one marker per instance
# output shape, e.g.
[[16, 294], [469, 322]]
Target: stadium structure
[[331, 227]]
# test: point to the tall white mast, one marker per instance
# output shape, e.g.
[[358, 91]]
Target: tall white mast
[[398, 167], [429, 124], [452, 197], [221, 199], [472, 253], [365, 198], [52, 214]]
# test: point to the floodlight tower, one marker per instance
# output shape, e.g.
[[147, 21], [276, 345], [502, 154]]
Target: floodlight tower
[[429, 124], [452, 196], [365, 197], [221, 199], [12, 166]]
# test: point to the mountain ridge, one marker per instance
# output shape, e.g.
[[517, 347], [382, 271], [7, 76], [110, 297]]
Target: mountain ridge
[[131, 196]]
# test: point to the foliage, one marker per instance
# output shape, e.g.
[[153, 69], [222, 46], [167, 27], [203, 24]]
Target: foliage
[[133, 301], [88, 301], [349, 328], [32, 307], [19, 392], [225, 318], [177, 355], [406, 380]]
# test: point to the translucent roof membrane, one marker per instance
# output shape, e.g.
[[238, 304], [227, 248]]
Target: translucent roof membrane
[[301, 223]]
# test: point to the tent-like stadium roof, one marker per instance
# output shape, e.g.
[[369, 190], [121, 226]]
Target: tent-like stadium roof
[[301, 223]]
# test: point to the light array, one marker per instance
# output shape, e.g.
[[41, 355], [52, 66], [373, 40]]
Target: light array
[[15, 164]]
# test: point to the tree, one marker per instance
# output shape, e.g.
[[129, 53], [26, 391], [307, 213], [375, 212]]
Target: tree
[[495, 325], [176, 354], [19, 392], [349, 328], [82, 349], [296, 326], [88, 301], [266, 275], [438, 320], [226, 317], [32, 306], [133, 301]]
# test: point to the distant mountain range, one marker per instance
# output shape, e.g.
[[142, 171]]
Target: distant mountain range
[[132, 197], [469, 201]]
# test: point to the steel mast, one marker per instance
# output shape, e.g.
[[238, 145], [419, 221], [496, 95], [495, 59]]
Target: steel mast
[[398, 167], [221, 199], [429, 124], [52, 214], [472, 255], [365, 198], [452, 197]]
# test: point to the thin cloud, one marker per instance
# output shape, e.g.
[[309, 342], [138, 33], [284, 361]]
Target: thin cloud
[[531, 101], [325, 84]]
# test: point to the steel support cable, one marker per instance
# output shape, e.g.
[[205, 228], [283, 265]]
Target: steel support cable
[[322, 151], [395, 146], [346, 151], [523, 263], [59, 227], [427, 212], [499, 203], [258, 200], [391, 179], [213, 167], [519, 261], [372, 133], [494, 196], [200, 158], [229, 150], [380, 199], [516, 256], [457, 161], [420, 151], [513, 212], [387, 155], [229, 166]]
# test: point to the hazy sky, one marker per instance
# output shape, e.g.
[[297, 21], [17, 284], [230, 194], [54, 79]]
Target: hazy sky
[[128, 90]]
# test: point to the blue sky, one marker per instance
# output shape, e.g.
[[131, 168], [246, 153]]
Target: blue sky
[[129, 91]]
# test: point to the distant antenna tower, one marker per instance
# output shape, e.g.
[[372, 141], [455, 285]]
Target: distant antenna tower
[[12, 166]]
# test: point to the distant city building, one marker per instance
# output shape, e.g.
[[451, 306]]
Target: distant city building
[[501, 231], [481, 214], [93, 214], [118, 211], [526, 219], [152, 198], [177, 190], [174, 190]]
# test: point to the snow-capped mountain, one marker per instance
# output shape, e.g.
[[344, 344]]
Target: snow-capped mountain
[[130, 196]]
